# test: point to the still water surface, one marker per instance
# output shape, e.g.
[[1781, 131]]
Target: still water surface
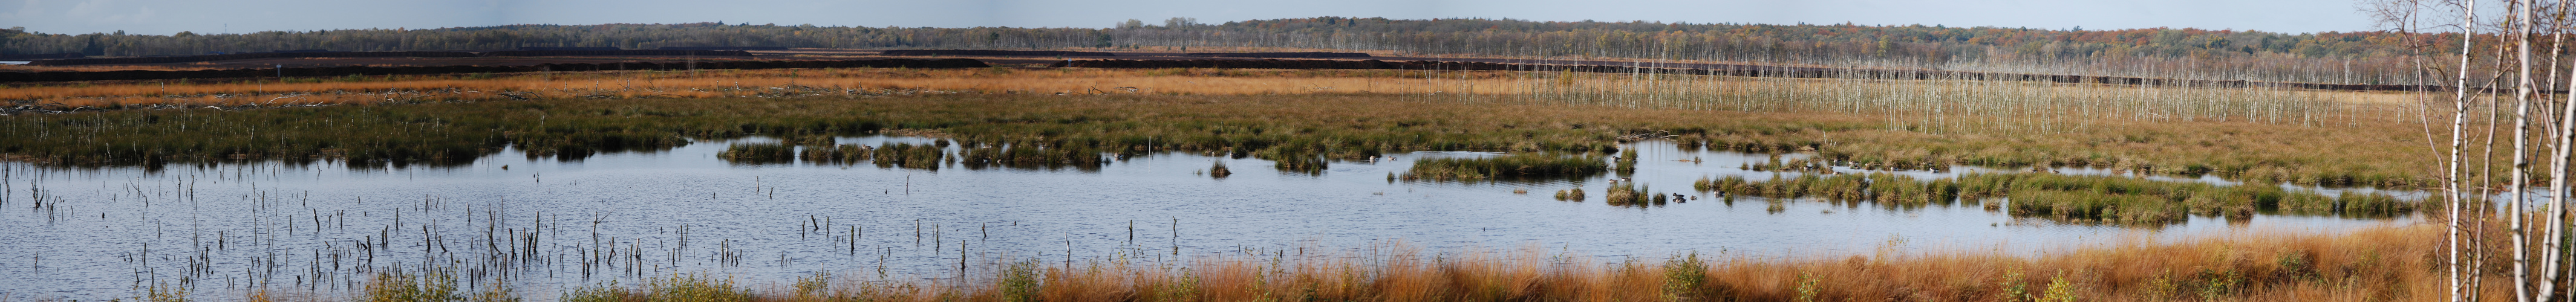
[[549, 226]]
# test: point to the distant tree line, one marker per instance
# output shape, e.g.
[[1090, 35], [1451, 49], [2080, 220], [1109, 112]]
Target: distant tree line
[[2355, 57]]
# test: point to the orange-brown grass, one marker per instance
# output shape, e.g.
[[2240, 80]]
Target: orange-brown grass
[[2389, 263]]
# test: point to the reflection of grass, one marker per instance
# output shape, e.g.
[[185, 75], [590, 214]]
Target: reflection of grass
[[2108, 199], [837, 154], [1524, 165], [2369, 264]]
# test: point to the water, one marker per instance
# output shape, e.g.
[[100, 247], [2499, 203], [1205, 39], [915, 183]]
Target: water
[[105, 233]]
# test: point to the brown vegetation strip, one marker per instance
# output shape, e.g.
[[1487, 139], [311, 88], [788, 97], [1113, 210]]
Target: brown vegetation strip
[[380, 54], [981, 52], [1309, 54], [1729, 70], [61, 76]]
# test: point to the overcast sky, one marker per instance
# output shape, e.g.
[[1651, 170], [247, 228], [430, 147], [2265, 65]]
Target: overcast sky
[[163, 17]]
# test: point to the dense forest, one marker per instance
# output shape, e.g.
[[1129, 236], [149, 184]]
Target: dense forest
[[2329, 57]]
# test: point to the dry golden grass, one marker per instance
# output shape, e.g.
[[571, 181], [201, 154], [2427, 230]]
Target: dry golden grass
[[2390, 263]]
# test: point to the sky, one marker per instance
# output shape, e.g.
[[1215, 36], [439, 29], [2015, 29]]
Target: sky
[[162, 17]]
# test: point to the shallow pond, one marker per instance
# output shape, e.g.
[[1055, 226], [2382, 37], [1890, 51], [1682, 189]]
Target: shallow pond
[[96, 234]]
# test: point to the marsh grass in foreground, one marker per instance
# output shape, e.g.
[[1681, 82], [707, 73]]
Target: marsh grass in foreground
[[2374, 264]]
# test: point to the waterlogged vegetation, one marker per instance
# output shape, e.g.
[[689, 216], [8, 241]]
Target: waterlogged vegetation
[[1515, 166], [2333, 139], [1844, 158], [2073, 198], [1845, 139]]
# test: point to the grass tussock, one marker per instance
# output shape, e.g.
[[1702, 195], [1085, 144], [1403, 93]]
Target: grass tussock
[[1574, 194], [837, 154], [758, 153], [1085, 158], [903, 155], [1515, 166], [1627, 193], [1219, 170], [2377, 264], [1801, 165]]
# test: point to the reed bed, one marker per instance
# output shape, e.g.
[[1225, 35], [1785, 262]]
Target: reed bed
[[2394, 263], [1515, 166], [1574, 194]]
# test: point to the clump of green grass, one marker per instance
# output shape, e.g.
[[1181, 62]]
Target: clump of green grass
[[758, 153], [1575, 194], [1293, 160], [1889, 189], [1627, 161], [685, 287], [905, 155], [1525, 165], [1802, 165], [1629, 194], [2087, 206], [1018, 156], [1220, 171], [431, 285]]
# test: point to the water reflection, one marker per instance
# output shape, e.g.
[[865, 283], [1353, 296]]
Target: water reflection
[[548, 223]]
